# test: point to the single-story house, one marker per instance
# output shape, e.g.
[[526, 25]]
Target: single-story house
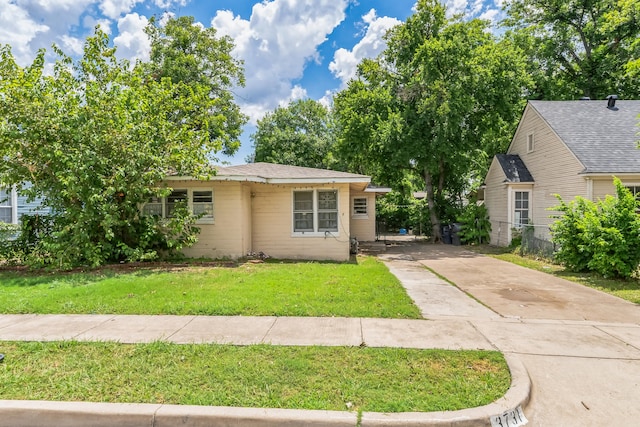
[[569, 148], [282, 211]]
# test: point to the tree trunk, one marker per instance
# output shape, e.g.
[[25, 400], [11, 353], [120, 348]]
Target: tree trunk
[[436, 234]]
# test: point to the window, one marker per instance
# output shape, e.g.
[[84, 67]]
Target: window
[[203, 203], [303, 211], [635, 190], [530, 143], [6, 209], [328, 210], [199, 202], [315, 211], [153, 207], [173, 200], [521, 212], [360, 206]]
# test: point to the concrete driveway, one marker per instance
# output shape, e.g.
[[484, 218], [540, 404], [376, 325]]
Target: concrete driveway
[[581, 347]]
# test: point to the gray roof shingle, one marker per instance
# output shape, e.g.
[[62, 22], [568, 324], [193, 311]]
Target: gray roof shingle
[[604, 140], [514, 168], [275, 171]]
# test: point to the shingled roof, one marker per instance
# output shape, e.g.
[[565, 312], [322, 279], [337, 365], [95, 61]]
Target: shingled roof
[[604, 140], [514, 168], [272, 171]]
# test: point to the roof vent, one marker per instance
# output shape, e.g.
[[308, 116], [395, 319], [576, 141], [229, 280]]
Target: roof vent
[[611, 101], [585, 98]]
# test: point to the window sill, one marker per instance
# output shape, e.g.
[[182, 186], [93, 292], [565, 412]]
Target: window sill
[[314, 233], [360, 216], [210, 221]]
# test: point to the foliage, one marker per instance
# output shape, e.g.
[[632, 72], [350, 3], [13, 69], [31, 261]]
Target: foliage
[[398, 210], [440, 101], [300, 134], [579, 47], [476, 227], [94, 139], [187, 53], [601, 236]]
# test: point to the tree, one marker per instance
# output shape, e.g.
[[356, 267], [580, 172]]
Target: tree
[[300, 134], [187, 53], [94, 140], [440, 101], [579, 47]]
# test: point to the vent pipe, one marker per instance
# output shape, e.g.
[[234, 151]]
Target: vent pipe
[[611, 101]]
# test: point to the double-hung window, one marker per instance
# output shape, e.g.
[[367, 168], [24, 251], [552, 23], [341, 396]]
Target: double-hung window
[[315, 211], [521, 211]]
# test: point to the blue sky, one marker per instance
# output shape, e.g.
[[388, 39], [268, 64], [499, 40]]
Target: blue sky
[[292, 49]]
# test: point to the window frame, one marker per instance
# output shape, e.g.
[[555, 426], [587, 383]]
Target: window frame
[[354, 209], [9, 202], [317, 212], [164, 204], [517, 219], [531, 142]]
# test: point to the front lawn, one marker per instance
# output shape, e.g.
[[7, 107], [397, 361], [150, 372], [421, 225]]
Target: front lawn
[[362, 289], [327, 378]]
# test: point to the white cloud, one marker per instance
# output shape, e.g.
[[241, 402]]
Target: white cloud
[[345, 62], [132, 42], [276, 43], [168, 4], [115, 8], [71, 45], [18, 29], [89, 22]]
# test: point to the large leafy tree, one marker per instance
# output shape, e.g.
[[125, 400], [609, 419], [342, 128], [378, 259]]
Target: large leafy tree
[[300, 134], [195, 56], [94, 139], [579, 47], [438, 103]]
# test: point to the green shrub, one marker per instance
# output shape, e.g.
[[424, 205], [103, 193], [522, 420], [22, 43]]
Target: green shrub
[[601, 236], [476, 227]]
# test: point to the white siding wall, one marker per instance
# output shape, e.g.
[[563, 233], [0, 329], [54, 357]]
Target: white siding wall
[[553, 167], [495, 200]]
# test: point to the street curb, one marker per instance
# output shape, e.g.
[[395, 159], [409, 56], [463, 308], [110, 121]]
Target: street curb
[[32, 413], [518, 395]]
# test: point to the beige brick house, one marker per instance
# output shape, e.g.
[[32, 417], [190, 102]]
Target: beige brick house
[[570, 148], [286, 212]]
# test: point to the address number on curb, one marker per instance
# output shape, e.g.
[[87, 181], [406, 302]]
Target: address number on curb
[[513, 418]]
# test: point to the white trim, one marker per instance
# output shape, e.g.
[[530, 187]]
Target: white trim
[[355, 215], [189, 190], [531, 143], [316, 211], [259, 179], [589, 188]]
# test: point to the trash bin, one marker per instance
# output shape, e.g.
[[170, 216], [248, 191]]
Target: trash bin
[[455, 233], [446, 235]]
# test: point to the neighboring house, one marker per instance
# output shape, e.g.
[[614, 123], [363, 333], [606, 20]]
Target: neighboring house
[[14, 205], [569, 148], [283, 211]]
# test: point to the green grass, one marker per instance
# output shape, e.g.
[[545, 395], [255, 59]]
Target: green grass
[[625, 289], [328, 378], [362, 289]]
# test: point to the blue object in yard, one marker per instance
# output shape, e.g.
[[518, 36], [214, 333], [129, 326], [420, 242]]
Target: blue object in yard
[[403, 231], [446, 235]]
